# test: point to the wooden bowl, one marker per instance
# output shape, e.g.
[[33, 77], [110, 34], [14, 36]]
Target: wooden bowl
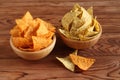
[[75, 44], [36, 55]]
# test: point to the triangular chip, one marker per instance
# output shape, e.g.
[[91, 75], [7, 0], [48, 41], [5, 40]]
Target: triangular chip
[[21, 42], [15, 32], [87, 19], [48, 35], [96, 25], [29, 32], [34, 23], [90, 11], [50, 27], [66, 61], [21, 24], [68, 19], [42, 29], [76, 7], [82, 62], [27, 17], [40, 42]]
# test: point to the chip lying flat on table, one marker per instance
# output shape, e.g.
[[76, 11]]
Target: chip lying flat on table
[[32, 34], [74, 60], [66, 61], [82, 62], [79, 24]]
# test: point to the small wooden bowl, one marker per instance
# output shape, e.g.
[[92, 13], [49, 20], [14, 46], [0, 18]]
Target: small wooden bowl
[[75, 44], [36, 55]]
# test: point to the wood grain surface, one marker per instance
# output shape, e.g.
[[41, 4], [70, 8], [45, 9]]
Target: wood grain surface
[[106, 51]]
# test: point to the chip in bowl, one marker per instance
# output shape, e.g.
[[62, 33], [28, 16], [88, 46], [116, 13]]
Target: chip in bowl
[[31, 34]]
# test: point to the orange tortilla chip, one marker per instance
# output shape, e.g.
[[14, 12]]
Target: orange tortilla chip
[[30, 32], [50, 27], [15, 32], [21, 42], [42, 29], [21, 24], [34, 23], [40, 42], [27, 17], [50, 35], [82, 62]]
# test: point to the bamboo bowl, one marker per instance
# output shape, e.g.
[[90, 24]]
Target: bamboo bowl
[[36, 55], [75, 44]]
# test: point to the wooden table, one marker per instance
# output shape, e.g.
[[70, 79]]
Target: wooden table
[[106, 51]]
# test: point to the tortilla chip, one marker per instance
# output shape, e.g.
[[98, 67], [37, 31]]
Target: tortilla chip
[[30, 32], [34, 23], [27, 17], [50, 27], [82, 62], [40, 42], [67, 63], [91, 34], [90, 11], [15, 32], [76, 7], [21, 42], [49, 35], [42, 29], [96, 25], [21, 24], [68, 19], [75, 25], [87, 19]]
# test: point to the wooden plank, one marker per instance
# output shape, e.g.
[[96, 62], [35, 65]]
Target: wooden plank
[[104, 68]]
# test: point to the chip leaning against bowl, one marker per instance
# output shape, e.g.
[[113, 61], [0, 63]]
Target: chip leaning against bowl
[[32, 34], [80, 30]]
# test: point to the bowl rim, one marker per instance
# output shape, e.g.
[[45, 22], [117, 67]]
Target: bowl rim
[[73, 40], [29, 52]]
